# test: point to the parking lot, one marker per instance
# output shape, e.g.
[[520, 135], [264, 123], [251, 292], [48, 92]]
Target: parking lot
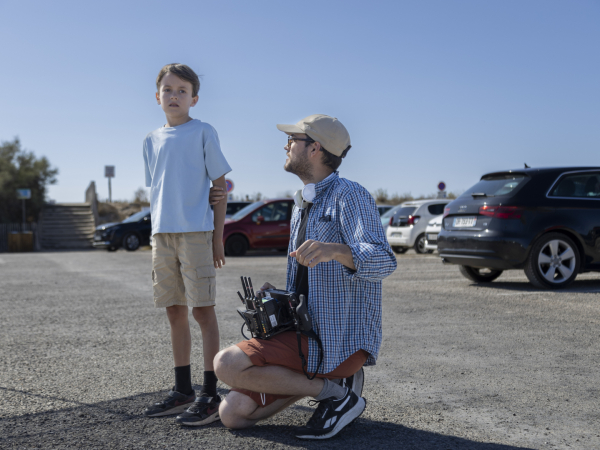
[[462, 366]]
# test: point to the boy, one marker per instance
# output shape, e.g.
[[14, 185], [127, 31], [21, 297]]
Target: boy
[[180, 158]]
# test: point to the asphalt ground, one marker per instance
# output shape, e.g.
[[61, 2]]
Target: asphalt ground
[[462, 366]]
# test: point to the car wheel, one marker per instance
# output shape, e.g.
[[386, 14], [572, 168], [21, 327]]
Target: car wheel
[[479, 275], [399, 250], [420, 245], [236, 246], [553, 262], [131, 242]]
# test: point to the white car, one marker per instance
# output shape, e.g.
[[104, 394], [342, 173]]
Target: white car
[[431, 232], [407, 226], [387, 216]]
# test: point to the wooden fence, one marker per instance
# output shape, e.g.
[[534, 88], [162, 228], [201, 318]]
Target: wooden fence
[[7, 228]]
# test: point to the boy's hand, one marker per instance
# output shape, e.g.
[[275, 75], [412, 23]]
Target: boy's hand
[[218, 254], [261, 292], [216, 194]]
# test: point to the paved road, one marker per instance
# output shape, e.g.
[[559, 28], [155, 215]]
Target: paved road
[[505, 366]]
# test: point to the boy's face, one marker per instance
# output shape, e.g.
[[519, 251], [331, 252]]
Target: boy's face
[[175, 96]]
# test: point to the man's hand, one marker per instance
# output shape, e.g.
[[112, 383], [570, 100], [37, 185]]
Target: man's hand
[[216, 194], [261, 292], [311, 253], [218, 254]]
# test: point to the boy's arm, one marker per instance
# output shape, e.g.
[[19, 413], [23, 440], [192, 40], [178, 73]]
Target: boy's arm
[[219, 210]]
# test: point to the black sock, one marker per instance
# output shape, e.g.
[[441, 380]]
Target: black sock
[[183, 380], [210, 383]]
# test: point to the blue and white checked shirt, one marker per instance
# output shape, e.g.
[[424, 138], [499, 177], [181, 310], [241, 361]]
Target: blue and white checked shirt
[[344, 304]]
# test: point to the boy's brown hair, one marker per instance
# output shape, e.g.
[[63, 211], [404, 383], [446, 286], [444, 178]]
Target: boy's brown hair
[[182, 71]]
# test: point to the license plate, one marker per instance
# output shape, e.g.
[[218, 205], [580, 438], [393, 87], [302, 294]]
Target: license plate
[[464, 222], [97, 238], [432, 237], [396, 234]]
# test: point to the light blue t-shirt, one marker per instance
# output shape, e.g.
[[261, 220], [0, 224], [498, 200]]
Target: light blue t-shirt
[[180, 162]]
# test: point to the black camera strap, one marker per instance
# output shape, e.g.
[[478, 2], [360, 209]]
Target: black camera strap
[[313, 335]]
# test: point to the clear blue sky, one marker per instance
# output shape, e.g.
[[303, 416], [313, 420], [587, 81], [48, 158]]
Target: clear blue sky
[[429, 90]]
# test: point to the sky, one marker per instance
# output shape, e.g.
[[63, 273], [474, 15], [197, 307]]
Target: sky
[[429, 90]]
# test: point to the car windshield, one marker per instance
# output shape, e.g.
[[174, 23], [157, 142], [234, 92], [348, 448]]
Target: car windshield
[[242, 212], [390, 212], [495, 186], [135, 217]]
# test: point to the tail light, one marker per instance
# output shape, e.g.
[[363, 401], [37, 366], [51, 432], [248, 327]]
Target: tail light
[[446, 211], [412, 220], [501, 212]]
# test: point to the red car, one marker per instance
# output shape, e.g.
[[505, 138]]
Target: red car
[[261, 225]]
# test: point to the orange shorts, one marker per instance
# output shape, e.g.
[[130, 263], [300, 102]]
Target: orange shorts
[[282, 350]]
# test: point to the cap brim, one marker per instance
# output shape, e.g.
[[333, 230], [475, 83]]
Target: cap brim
[[290, 129]]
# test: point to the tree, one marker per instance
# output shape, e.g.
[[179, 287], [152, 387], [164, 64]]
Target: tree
[[20, 169]]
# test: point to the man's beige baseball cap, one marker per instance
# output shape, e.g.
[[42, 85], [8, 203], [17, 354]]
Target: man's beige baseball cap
[[326, 130]]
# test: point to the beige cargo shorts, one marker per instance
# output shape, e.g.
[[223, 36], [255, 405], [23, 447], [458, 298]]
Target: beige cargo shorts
[[183, 272]]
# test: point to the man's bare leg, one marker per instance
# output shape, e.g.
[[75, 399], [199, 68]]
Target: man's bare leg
[[240, 411], [207, 319], [235, 368]]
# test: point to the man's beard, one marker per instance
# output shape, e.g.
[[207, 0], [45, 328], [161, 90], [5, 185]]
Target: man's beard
[[300, 166]]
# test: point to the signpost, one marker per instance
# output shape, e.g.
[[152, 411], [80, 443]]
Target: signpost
[[23, 194], [442, 187], [109, 172], [229, 185]]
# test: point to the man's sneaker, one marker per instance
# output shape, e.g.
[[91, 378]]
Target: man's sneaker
[[175, 403], [354, 382], [203, 411], [332, 415]]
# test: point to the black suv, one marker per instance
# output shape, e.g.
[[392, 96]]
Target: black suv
[[129, 234], [545, 221]]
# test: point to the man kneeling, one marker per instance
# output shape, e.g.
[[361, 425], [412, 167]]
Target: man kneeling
[[338, 255]]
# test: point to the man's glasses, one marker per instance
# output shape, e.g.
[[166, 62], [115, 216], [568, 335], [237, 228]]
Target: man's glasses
[[292, 139]]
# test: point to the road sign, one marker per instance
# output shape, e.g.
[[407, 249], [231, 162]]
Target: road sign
[[229, 185], [441, 185], [23, 194], [109, 171]]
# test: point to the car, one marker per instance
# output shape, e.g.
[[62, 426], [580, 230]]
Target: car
[[130, 234], [261, 225], [387, 216], [383, 209], [431, 232], [407, 226], [544, 221]]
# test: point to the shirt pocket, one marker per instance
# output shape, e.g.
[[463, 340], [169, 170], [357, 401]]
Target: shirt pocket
[[326, 230]]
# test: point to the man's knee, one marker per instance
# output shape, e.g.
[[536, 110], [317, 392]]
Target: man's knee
[[236, 409], [229, 363]]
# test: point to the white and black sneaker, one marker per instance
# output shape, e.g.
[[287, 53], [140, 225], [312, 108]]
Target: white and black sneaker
[[332, 415], [354, 382]]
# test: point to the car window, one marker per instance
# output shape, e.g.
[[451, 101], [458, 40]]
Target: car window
[[585, 185], [242, 212], [405, 211], [272, 212], [136, 217], [436, 209], [497, 185], [234, 207]]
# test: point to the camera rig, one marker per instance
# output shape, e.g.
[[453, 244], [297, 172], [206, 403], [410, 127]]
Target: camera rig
[[275, 312]]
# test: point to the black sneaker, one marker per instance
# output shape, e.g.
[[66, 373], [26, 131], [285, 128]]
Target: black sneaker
[[332, 415], [175, 403], [205, 410], [354, 382]]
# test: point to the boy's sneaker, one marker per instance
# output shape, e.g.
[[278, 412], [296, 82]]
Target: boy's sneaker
[[175, 403], [354, 382], [204, 410], [332, 415]]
